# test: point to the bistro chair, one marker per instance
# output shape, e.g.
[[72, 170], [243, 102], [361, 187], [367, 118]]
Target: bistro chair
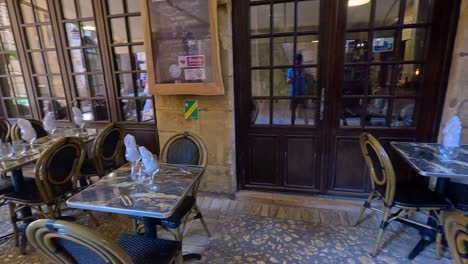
[[64, 242], [184, 148], [56, 173], [106, 150], [37, 125], [4, 130], [404, 199], [456, 232]]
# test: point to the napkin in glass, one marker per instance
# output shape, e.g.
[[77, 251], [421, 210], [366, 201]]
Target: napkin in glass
[[131, 149], [452, 132], [49, 122], [150, 162], [28, 133]]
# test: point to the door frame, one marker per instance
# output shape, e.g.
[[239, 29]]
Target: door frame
[[445, 21]]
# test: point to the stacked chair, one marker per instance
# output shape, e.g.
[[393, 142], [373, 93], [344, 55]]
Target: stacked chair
[[64, 242], [399, 202]]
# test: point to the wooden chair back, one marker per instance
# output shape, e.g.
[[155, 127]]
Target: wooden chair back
[[5, 129], [380, 167], [37, 125], [456, 232], [58, 169], [65, 242], [107, 148], [185, 148]]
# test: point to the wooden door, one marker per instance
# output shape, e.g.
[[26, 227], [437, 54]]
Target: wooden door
[[365, 67]]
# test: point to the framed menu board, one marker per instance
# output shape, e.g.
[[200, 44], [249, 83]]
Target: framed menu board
[[182, 47]]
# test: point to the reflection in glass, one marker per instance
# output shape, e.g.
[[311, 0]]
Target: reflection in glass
[[403, 113], [116, 6], [306, 111], [358, 16], [377, 112], [56, 106], [282, 110], [7, 40], [383, 45], [96, 82], [42, 87], [85, 8], [138, 53], [37, 62], [126, 84], [13, 87], [146, 109], [409, 79], [301, 80], [350, 115], [69, 10], [47, 39], [9, 64], [4, 17], [414, 40], [260, 19], [260, 83], [283, 17], [308, 15], [52, 62], [119, 34], [354, 80], [129, 109], [56, 86], [135, 24], [32, 37], [88, 33], [17, 108], [122, 59], [82, 85], [380, 79], [418, 11], [40, 8], [356, 46], [386, 13], [92, 59], [27, 12], [94, 110], [283, 51], [280, 83], [308, 47], [260, 114], [260, 52]]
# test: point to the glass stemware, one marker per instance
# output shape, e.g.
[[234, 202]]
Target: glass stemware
[[19, 148], [152, 185], [5, 151]]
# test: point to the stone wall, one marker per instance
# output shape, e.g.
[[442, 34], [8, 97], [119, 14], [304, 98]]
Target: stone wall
[[456, 101], [216, 123]]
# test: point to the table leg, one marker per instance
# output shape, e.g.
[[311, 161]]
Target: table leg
[[428, 236], [17, 179], [150, 228]]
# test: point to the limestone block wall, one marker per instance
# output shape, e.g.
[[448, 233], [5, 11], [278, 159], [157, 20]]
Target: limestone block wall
[[216, 123], [456, 101]]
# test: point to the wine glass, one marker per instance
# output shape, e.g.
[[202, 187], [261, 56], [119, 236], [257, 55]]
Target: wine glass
[[19, 148], [153, 186]]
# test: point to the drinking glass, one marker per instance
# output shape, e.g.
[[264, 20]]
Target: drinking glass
[[5, 151], [18, 148]]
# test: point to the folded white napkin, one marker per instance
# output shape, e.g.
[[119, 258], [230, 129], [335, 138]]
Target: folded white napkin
[[131, 149], [77, 116], [49, 122], [452, 132], [150, 162], [28, 133]]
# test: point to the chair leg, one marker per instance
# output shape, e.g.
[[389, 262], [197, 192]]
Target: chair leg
[[439, 235], [179, 258], [92, 218], [202, 220], [383, 225], [13, 219], [363, 208]]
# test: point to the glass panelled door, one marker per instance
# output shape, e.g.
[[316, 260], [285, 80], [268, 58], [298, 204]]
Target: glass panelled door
[[312, 75]]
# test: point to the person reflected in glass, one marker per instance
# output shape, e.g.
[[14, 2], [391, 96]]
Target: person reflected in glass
[[298, 81]]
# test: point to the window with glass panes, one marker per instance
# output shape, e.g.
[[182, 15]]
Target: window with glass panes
[[82, 46], [14, 98], [385, 52], [125, 36]]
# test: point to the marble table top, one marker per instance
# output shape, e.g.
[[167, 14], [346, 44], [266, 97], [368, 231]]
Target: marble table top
[[16, 162], [175, 182], [426, 159]]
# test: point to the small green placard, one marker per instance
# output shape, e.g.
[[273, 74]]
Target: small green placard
[[191, 109]]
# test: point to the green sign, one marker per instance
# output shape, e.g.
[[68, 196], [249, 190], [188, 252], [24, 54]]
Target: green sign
[[191, 109]]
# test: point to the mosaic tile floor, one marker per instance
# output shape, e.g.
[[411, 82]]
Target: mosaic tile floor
[[264, 232]]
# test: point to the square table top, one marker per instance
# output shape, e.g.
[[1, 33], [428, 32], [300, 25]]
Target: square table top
[[175, 182], [426, 159], [39, 146]]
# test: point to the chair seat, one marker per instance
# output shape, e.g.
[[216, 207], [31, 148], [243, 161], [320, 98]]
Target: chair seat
[[28, 194], [88, 167], [183, 209], [6, 186], [420, 197], [149, 250]]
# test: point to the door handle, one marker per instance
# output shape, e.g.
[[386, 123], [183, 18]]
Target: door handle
[[322, 103]]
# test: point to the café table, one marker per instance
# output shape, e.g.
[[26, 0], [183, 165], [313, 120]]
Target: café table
[[120, 193], [426, 160], [33, 152]]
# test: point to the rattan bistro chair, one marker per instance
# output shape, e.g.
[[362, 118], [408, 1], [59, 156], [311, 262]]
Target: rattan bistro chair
[[456, 232], [64, 242], [37, 125], [4, 130], [184, 148], [56, 174], [405, 199], [106, 150]]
